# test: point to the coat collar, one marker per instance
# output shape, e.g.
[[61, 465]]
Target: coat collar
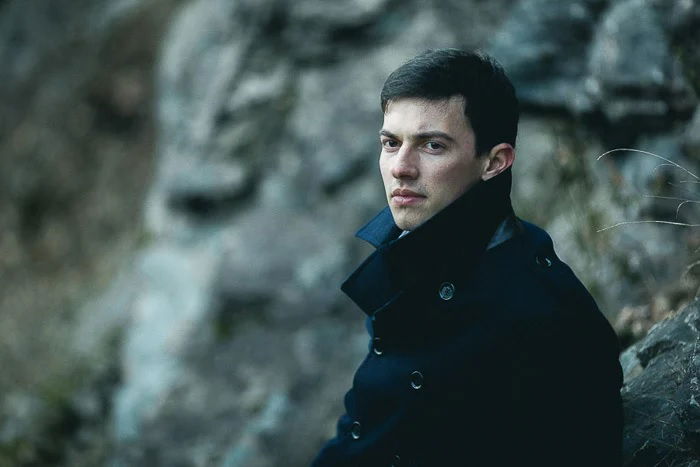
[[453, 238], [380, 230]]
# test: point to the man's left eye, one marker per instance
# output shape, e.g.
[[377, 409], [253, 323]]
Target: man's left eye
[[433, 146]]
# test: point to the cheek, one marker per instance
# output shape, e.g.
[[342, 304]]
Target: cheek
[[384, 170], [382, 161], [456, 179]]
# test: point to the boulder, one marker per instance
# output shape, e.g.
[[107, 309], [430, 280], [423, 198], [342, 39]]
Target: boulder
[[661, 393]]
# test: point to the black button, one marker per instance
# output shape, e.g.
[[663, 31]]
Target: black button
[[447, 290], [416, 380], [355, 430], [396, 461], [377, 345], [543, 261]]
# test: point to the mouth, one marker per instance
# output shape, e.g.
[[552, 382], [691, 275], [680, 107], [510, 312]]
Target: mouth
[[405, 197]]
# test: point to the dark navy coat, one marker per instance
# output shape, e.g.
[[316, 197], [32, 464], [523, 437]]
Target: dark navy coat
[[478, 357]]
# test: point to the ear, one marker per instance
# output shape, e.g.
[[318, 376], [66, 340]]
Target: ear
[[498, 159]]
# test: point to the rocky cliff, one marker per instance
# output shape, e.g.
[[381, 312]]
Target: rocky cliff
[[182, 180]]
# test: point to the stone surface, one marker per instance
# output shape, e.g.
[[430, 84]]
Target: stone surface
[[543, 46], [691, 137], [641, 88], [76, 158], [662, 394]]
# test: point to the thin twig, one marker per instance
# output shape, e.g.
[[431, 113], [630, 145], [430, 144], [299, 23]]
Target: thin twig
[[653, 155], [683, 224], [672, 197]]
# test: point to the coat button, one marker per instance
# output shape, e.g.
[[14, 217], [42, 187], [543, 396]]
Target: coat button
[[543, 261], [396, 461], [447, 290], [416, 380], [355, 430], [377, 345]]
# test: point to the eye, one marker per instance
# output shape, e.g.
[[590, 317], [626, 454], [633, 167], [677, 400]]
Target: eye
[[390, 144], [434, 146]]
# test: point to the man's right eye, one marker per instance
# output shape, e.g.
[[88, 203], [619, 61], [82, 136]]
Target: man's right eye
[[390, 144]]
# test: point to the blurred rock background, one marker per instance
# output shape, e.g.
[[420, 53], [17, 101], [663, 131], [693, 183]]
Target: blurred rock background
[[181, 181]]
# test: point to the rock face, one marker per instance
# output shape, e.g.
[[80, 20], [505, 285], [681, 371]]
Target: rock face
[[662, 393], [76, 159], [212, 330]]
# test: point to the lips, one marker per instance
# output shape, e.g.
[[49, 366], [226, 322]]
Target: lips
[[405, 197]]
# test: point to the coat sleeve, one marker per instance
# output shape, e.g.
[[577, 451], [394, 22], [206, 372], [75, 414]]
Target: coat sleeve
[[565, 390]]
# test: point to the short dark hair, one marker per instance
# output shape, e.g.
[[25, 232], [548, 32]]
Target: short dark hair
[[490, 103]]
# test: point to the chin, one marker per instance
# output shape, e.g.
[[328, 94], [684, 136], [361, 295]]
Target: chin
[[406, 222], [399, 220]]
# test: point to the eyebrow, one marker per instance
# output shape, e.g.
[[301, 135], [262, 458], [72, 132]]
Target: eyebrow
[[421, 136]]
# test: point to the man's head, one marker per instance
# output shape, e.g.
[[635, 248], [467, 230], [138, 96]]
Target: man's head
[[450, 120]]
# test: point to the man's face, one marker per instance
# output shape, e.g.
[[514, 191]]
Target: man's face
[[428, 157]]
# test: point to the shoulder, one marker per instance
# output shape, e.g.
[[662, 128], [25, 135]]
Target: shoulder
[[536, 289]]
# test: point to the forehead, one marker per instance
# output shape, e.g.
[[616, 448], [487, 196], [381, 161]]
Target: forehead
[[418, 114]]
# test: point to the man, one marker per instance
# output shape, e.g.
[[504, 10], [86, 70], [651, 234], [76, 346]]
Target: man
[[485, 349]]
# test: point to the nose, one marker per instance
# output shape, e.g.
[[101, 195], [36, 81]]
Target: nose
[[405, 164]]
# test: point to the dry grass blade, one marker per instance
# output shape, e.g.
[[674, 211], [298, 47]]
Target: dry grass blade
[[669, 162], [683, 224], [683, 201]]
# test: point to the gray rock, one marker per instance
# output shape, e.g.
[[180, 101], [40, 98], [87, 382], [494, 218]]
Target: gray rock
[[662, 400], [640, 87], [576, 56], [691, 137], [543, 47], [166, 316], [681, 21]]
